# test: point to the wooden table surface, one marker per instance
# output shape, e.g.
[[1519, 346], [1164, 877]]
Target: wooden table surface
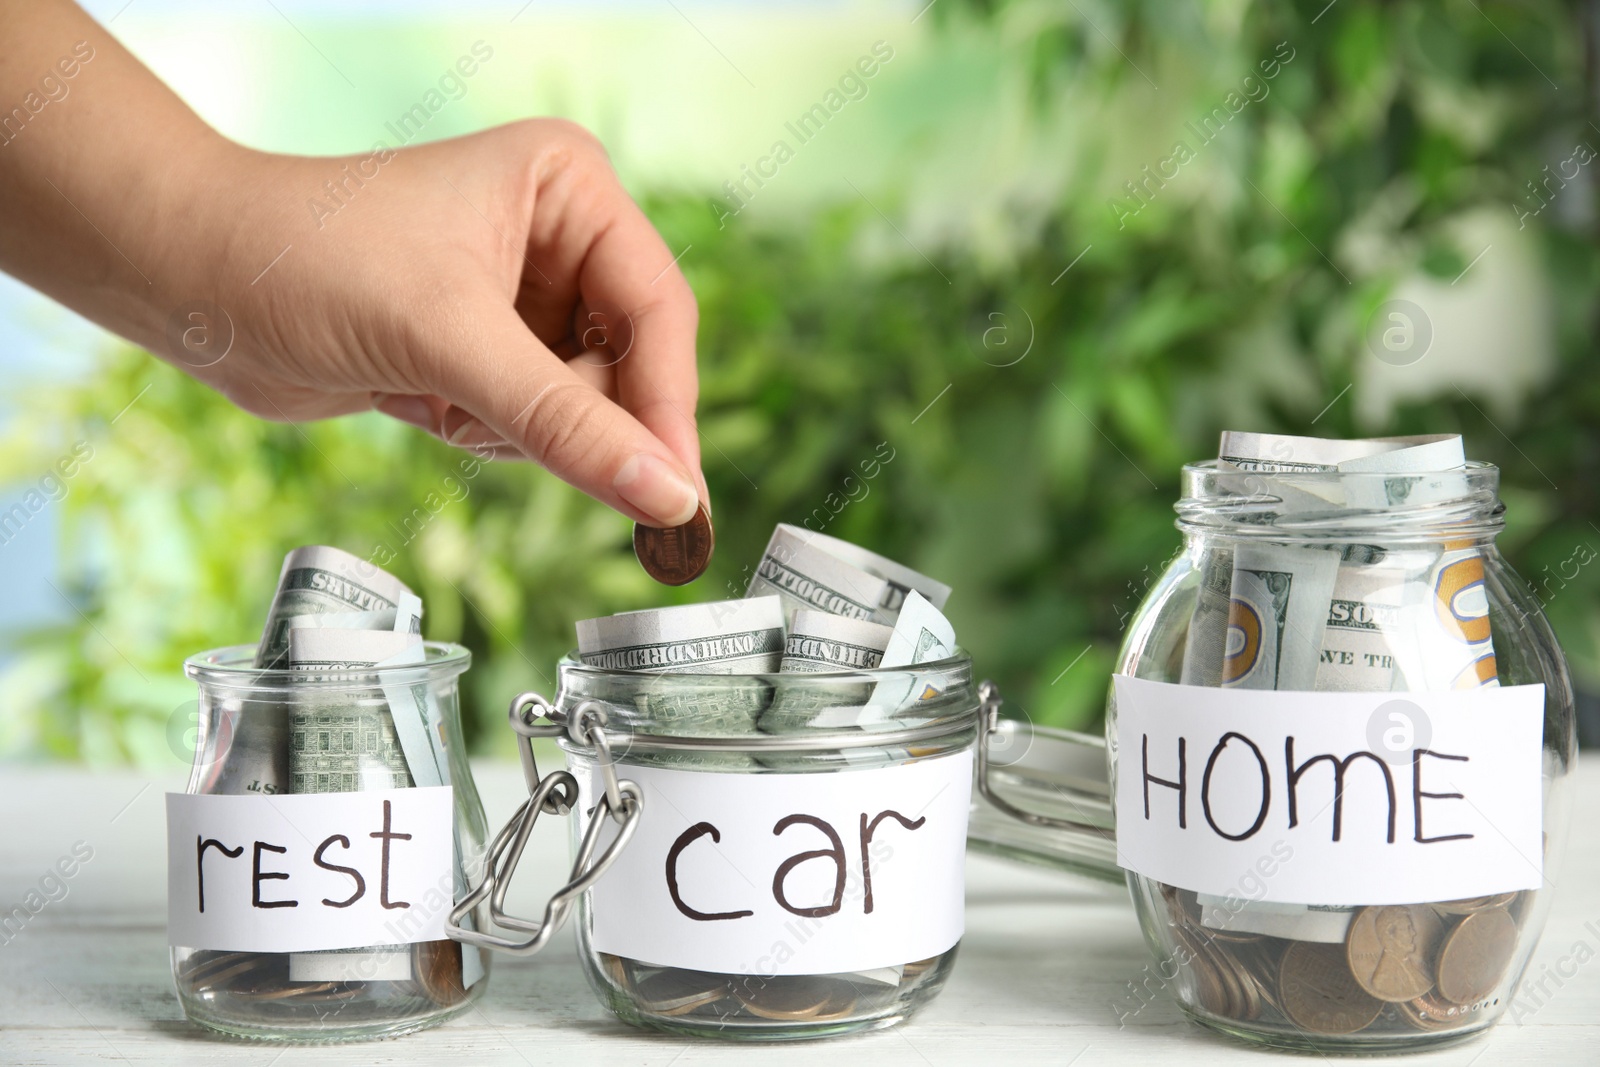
[[1044, 972]]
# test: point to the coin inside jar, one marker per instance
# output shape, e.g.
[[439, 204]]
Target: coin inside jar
[[678, 992], [1433, 1013], [437, 965], [1211, 989], [1319, 994], [838, 1006], [787, 998], [676, 555], [1476, 954], [1391, 948], [1470, 905]]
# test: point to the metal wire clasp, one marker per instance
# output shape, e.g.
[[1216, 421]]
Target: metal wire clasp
[[989, 702], [555, 793]]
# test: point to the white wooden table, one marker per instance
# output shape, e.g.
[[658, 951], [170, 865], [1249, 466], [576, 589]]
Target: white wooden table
[[1043, 974]]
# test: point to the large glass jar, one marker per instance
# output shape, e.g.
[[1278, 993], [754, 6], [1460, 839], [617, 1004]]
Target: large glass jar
[[1421, 602], [266, 733], [797, 867]]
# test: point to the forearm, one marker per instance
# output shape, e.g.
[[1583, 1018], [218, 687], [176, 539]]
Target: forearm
[[101, 173]]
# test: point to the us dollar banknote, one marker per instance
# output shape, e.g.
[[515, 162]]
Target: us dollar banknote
[[1382, 471], [415, 713], [1278, 605], [1398, 617], [319, 580], [733, 637], [820, 643], [807, 577], [921, 635], [902, 579], [347, 741], [1364, 622], [317, 585]]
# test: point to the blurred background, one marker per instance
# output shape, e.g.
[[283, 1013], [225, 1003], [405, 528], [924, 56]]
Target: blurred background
[[1031, 265]]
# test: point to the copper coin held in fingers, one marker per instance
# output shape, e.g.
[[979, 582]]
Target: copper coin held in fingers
[[1476, 954], [677, 555], [1318, 993]]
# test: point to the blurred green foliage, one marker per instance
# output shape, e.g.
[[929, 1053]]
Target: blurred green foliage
[[1039, 373]]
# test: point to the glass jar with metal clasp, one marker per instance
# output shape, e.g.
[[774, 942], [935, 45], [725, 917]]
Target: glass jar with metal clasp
[[788, 861]]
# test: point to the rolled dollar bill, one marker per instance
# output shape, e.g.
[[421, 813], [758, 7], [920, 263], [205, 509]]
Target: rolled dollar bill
[[1286, 454], [1424, 468], [418, 722], [805, 576], [820, 643], [723, 637], [347, 742], [1363, 624], [316, 585], [921, 635], [901, 579], [1206, 642], [1445, 638], [319, 580], [1277, 609]]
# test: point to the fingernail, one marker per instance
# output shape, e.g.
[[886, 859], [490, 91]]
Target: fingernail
[[412, 409], [656, 488], [469, 431]]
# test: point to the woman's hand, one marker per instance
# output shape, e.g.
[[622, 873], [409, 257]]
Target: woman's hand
[[500, 290]]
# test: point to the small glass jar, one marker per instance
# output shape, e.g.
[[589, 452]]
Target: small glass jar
[[1303, 994], [258, 735], [826, 735]]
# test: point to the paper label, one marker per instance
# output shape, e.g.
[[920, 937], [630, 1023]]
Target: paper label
[[770, 874], [303, 872], [1330, 798]]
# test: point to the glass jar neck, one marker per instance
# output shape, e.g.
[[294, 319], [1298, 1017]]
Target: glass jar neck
[[668, 704], [1458, 507]]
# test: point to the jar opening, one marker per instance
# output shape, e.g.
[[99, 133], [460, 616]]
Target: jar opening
[[1334, 506], [233, 668], [848, 709]]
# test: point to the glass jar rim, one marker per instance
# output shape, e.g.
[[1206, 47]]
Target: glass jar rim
[[1460, 503], [946, 715], [233, 667], [570, 663]]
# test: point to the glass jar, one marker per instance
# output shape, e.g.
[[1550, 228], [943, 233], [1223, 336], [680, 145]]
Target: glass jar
[[260, 735], [1421, 602], [797, 866]]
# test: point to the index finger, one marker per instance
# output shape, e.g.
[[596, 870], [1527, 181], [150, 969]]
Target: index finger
[[630, 267]]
